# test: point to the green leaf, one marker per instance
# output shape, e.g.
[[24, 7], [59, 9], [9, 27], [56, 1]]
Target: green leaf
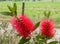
[[15, 6], [15, 9], [28, 42], [39, 36], [10, 8], [53, 42], [49, 14], [45, 13], [23, 40], [6, 13], [37, 24], [39, 42]]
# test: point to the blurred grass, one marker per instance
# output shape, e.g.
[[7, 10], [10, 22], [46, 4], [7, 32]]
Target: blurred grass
[[34, 10]]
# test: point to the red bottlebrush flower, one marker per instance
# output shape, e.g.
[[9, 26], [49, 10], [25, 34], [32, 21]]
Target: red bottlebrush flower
[[24, 27], [47, 28]]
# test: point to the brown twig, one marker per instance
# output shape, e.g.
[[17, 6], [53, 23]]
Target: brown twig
[[23, 6]]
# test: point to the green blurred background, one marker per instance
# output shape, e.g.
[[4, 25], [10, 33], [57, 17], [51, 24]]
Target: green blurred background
[[33, 9]]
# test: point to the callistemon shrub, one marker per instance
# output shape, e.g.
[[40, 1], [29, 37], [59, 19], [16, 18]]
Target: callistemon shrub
[[24, 26], [47, 28]]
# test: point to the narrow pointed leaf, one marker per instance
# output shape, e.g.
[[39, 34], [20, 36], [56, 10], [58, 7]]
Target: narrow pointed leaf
[[6, 13], [49, 14], [15, 9], [10, 8], [39, 42], [39, 36], [45, 13], [37, 24], [53, 42], [23, 40]]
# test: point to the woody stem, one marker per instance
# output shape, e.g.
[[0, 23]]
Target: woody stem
[[23, 6]]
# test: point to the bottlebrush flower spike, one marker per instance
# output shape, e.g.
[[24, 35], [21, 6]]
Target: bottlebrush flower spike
[[24, 27], [47, 28]]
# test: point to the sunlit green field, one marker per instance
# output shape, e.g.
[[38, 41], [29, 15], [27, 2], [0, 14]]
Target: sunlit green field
[[34, 10]]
